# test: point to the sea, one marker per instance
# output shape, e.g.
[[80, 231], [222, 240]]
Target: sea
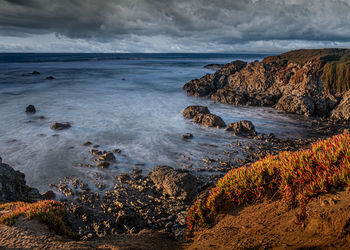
[[131, 102]]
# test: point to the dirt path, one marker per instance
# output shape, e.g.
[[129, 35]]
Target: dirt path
[[270, 225]]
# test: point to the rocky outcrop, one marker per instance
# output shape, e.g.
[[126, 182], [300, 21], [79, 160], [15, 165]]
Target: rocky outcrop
[[13, 186], [243, 127], [60, 126], [30, 109], [342, 111], [300, 82], [174, 182], [202, 115], [187, 136], [192, 111], [209, 120], [213, 66]]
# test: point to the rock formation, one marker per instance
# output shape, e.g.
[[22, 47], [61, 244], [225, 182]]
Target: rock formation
[[174, 182], [307, 82], [13, 186], [202, 115], [243, 127], [60, 126]]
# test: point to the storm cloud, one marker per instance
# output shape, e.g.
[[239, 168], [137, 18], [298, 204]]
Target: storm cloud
[[174, 25]]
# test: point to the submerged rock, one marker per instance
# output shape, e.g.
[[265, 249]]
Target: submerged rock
[[187, 136], [107, 157], [35, 73], [213, 66], [242, 127], [30, 109], [176, 183], [60, 126], [50, 78], [13, 186]]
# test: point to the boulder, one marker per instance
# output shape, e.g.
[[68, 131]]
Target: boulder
[[209, 120], [176, 183], [192, 111], [107, 157], [243, 127], [30, 109], [342, 111], [103, 164], [13, 186], [49, 195], [50, 78], [302, 105], [187, 136], [35, 73], [60, 126]]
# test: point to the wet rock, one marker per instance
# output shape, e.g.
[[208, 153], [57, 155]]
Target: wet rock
[[60, 126], [191, 111], [30, 109], [0, 160], [49, 195], [87, 143], [242, 127], [50, 78], [213, 66], [187, 136], [107, 157], [95, 152], [209, 120], [103, 164], [13, 186], [175, 183], [117, 151], [35, 73]]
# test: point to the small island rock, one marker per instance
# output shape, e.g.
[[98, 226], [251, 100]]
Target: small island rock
[[60, 126], [30, 109], [192, 111], [242, 127]]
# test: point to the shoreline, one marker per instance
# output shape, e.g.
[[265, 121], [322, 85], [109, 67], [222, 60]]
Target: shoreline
[[159, 201]]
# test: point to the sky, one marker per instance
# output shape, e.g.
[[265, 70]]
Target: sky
[[172, 25]]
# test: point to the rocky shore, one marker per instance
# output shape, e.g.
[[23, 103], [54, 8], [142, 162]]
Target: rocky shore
[[306, 82], [159, 200]]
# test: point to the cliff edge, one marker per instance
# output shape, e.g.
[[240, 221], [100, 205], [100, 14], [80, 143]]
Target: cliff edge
[[308, 82]]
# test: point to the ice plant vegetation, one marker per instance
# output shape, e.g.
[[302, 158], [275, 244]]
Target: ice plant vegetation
[[295, 177], [48, 211]]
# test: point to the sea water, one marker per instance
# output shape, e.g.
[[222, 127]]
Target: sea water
[[132, 102]]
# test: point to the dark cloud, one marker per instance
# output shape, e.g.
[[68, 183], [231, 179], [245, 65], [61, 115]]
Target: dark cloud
[[221, 22]]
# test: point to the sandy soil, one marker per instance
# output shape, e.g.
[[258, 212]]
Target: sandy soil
[[270, 225], [34, 235], [264, 225]]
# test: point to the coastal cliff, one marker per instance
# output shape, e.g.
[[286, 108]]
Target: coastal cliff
[[307, 82]]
